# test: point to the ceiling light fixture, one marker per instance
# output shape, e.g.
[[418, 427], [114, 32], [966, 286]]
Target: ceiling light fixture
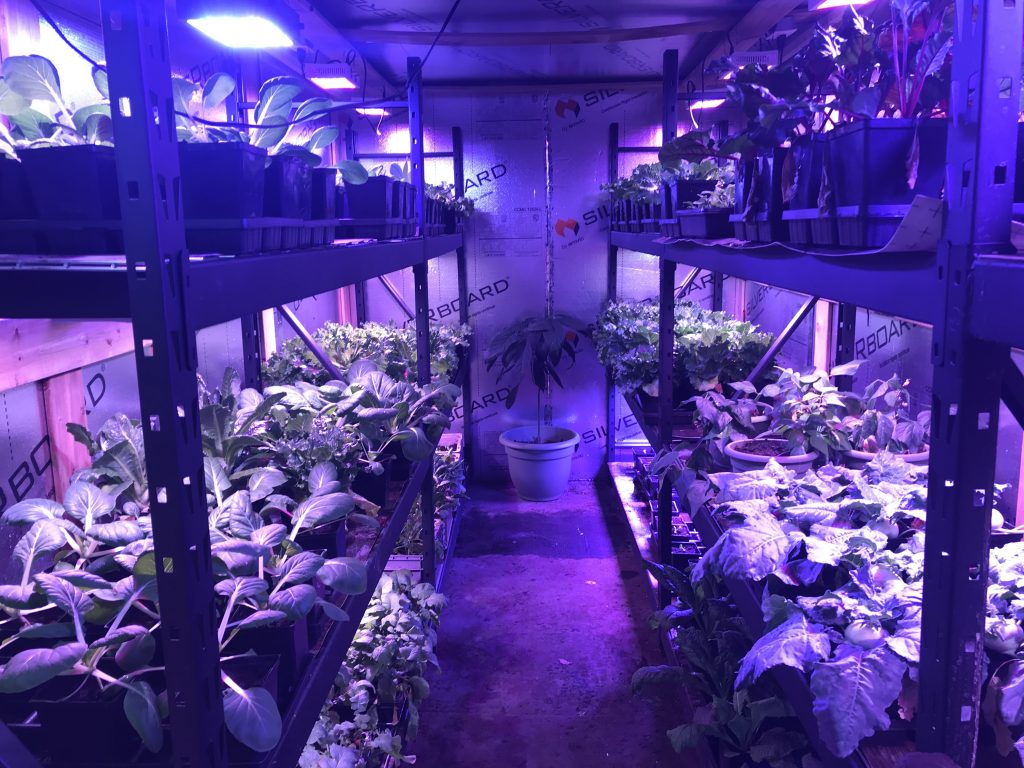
[[372, 111], [707, 103], [332, 77], [826, 5], [257, 24]]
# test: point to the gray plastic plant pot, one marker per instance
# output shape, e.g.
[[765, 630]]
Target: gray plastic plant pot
[[742, 461], [860, 459], [540, 471]]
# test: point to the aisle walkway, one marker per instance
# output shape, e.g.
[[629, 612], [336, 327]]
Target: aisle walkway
[[546, 625]]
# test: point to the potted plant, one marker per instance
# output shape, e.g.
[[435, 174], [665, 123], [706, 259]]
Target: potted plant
[[62, 141], [539, 455], [880, 420], [805, 425]]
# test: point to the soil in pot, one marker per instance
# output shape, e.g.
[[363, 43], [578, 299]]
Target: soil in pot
[[94, 199], [288, 192], [764, 447]]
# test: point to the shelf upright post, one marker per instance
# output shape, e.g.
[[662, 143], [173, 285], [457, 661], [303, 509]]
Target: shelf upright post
[[980, 160], [669, 115], [666, 344], [462, 271], [613, 288], [252, 360], [419, 271], [845, 340], [135, 37]]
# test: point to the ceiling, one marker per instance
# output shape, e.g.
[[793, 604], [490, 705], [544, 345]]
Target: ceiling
[[533, 41]]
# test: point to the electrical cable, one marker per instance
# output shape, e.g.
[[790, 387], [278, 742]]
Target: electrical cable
[[49, 20]]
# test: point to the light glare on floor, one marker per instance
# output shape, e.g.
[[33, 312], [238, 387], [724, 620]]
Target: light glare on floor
[[242, 31]]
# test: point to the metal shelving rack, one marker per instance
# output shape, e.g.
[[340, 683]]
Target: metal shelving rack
[[967, 290], [168, 296]]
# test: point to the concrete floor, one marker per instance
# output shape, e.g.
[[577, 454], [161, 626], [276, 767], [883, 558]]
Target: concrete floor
[[546, 625]]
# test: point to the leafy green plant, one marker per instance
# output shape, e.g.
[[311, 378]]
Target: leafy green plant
[[390, 347], [534, 346], [33, 80], [880, 420], [747, 725], [642, 185], [810, 412], [449, 491], [722, 197], [841, 557], [385, 666], [447, 196], [711, 348]]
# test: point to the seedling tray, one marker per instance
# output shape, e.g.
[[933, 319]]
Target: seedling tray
[[704, 224], [872, 229]]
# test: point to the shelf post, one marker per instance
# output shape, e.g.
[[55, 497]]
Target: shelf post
[[613, 290], [462, 272], [980, 160], [252, 358], [845, 341], [135, 37], [669, 115], [415, 70], [666, 350]]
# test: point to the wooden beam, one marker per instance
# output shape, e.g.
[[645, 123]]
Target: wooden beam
[[64, 402], [822, 345], [19, 28], [33, 350], [268, 333]]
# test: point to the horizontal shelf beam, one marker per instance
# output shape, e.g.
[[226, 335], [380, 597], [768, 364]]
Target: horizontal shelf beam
[[219, 288], [900, 284], [997, 287]]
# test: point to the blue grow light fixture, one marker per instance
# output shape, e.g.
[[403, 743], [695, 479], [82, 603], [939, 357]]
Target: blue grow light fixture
[[258, 24]]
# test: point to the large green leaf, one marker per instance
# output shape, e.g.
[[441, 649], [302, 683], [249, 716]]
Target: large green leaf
[[261, 619], [30, 511], [794, 643], [353, 172], [116, 637], [323, 479], [143, 712], [64, 594], [320, 510], [273, 108], [322, 137], [299, 568], [185, 94], [217, 89], [852, 692], [87, 504], [33, 77], [81, 116], [308, 109], [42, 538], [251, 716], [33, 124], [237, 516], [99, 79], [752, 549], [269, 535], [136, 652], [263, 481], [30, 669], [236, 589], [11, 103], [20, 597], [344, 574], [295, 602], [117, 533]]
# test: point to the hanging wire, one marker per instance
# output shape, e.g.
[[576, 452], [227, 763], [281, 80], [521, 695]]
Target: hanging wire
[[60, 33]]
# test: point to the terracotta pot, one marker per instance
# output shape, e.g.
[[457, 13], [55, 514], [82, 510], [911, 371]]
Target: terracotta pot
[[860, 459]]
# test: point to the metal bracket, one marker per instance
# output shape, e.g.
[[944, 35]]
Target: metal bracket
[[391, 289], [782, 338], [300, 330]]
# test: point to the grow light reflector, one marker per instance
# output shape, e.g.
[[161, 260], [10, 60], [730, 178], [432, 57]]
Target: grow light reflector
[[707, 103], [242, 31], [333, 83], [824, 5], [372, 111]]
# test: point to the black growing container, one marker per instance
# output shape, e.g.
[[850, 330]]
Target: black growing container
[[324, 203], [371, 200], [329, 539], [808, 157], [288, 193], [288, 642], [16, 203], [222, 181], [373, 487], [688, 191], [869, 161], [92, 202]]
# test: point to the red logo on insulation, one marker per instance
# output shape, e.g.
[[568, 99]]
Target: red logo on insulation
[[567, 105], [562, 226]]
